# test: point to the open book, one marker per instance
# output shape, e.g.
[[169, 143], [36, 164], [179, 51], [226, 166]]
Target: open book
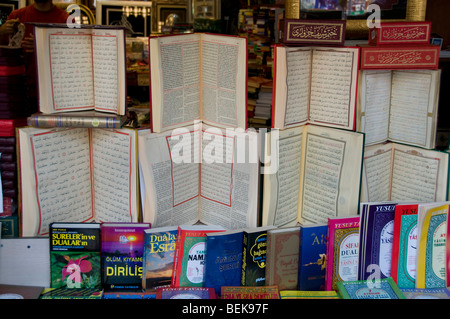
[[404, 173], [199, 173], [399, 106], [198, 77], [76, 175], [318, 175], [80, 69], [315, 85]]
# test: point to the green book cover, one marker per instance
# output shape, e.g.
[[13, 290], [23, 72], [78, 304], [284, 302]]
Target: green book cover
[[75, 255]]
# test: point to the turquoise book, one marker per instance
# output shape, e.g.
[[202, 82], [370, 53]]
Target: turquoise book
[[404, 246], [384, 288], [159, 254], [122, 250], [223, 262]]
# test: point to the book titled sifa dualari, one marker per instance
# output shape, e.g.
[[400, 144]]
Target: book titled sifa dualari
[[122, 250], [75, 260]]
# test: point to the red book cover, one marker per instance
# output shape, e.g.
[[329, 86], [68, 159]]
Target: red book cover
[[399, 57], [392, 33], [317, 32]]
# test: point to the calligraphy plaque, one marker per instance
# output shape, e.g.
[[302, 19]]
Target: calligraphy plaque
[[317, 32], [399, 57], [393, 33]]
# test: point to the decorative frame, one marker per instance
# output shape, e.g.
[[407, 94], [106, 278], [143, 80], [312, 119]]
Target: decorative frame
[[357, 28], [105, 7], [162, 8]]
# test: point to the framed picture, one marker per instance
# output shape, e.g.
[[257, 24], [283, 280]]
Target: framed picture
[[7, 6], [166, 12], [355, 12], [136, 16]]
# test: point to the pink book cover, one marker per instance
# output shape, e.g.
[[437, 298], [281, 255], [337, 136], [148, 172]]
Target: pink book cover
[[342, 250]]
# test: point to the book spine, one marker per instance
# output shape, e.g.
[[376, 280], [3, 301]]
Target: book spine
[[49, 121], [244, 259]]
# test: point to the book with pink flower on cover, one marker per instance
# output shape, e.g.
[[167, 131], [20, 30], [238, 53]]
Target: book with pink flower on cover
[[75, 260]]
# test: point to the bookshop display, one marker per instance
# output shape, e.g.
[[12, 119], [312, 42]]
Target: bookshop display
[[342, 195]]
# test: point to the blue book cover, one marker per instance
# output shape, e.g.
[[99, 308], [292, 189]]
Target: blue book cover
[[384, 288], [158, 257], [311, 266], [223, 264], [376, 238]]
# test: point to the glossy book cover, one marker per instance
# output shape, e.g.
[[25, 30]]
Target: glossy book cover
[[122, 251], [75, 260], [342, 250]]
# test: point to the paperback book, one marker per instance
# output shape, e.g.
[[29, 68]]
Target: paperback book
[[384, 288], [282, 257], [190, 255], [223, 264], [122, 251], [75, 255], [342, 252], [158, 257], [375, 240], [431, 239], [312, 259], [404, 246], [254, 253]]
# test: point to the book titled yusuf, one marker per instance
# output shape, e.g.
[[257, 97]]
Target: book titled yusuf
[[75, 260], [198, 76], [190, 255], [122, 250], [80, 68], [376, 233], [431, 239], [315, 85], [399, 172], [404, 245], [312, 259], [76, 175], [158, 257], [342, 250], [199, 173], [387, 108], [282, 256], [316, 174]]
